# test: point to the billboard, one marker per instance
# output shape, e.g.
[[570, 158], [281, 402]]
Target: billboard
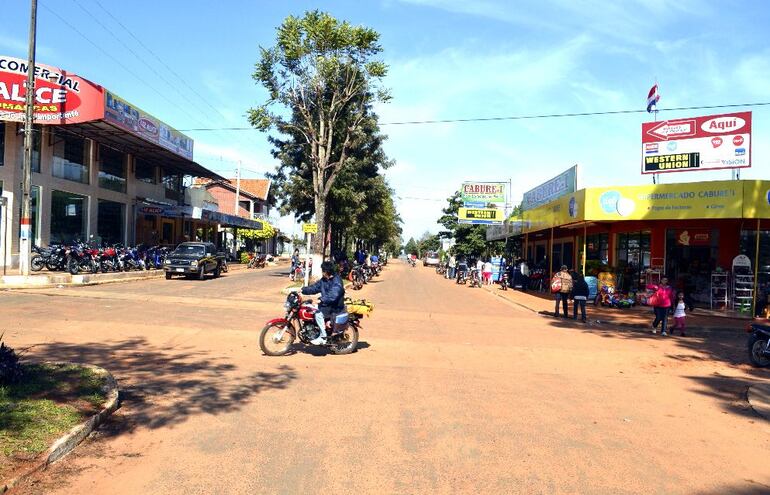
[[60, 97], [510, 228], [561, 185], [119, 112], [481, 216], [711, 142], [482, 194]]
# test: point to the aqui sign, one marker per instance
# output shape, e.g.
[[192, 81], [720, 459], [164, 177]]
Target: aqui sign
[[711, 142]]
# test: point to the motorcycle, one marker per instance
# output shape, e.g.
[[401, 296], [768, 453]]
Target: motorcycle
[[462, 275], [279, 334], [357, 277], [79, 258], [759, 344], [441, 268], [473, 278], [504, 281], [412, 262]]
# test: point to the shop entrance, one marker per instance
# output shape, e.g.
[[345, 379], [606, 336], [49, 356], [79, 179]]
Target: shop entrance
[[167, 236], [691, 256]]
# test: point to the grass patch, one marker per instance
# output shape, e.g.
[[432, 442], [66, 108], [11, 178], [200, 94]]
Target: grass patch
[[44, 404]]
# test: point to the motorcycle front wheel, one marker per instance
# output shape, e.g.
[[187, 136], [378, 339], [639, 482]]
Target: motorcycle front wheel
[[276, 339], [73, 267], [37, 263], [346, 343], [756, 347]]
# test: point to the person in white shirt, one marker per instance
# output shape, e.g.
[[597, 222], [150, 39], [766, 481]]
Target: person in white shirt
[[487, 271], [679, 314], [480, 270]]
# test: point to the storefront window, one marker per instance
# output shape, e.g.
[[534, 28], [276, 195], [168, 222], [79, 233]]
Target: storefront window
[[597, 248], [633, 257], [69, 213], [145, 171], [173, 185], [37, 146], [110, 221], [70, 157], [34, 197], [749, 248], [691, 257], [112, 169]]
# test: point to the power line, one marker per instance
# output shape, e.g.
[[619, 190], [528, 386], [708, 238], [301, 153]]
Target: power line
[[164, 64], [118, 62], [523, 117]]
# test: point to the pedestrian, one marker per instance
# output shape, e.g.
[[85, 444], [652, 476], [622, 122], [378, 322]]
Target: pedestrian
[[561, 286], [524, 270], [480, 270], [579, 296], [679, 314], [452, 265], [487, 272], [661, 302]]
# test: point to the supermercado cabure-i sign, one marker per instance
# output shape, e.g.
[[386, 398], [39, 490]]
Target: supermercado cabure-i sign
[[60, 96]]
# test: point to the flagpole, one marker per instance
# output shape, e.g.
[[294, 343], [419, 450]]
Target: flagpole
[[656, 177]]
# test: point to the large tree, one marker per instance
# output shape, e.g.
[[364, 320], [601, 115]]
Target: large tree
[[324, 76]]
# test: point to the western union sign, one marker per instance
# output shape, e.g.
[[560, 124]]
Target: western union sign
[[484, 216]]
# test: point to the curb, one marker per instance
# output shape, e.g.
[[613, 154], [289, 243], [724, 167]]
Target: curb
[[77, 434], [759, 399], [87, 280]]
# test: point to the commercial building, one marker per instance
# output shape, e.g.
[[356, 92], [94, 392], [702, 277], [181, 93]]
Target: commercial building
[[101, 168], [712, 239]]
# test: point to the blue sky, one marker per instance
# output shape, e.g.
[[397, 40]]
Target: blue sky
[[448, 59]]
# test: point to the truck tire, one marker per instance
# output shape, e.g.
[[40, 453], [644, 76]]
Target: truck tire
[[201, 273], [168, 275], [218, 271]]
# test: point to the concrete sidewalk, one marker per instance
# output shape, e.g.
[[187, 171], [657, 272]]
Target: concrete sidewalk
[[635, 317]]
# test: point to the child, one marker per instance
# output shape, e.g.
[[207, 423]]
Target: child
[[679, 313]]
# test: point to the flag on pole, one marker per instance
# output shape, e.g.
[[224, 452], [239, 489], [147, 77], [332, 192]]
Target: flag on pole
[[652, 98]]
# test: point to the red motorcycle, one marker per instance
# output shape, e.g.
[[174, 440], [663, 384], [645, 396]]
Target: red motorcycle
[[299, 323]]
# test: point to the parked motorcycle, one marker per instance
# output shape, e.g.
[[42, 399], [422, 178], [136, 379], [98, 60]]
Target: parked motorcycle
[[80, 259], [357, 276], [504, 281], [759, 344], [473, 278], [279, 334], [462, 275]]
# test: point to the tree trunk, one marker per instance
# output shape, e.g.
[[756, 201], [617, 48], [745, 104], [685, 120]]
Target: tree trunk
[[320, 219]]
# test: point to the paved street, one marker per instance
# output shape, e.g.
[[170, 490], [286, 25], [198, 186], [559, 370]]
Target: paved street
[[451, 390]]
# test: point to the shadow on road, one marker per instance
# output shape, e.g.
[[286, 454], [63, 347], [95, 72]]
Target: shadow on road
[[162, 386], [718, 346]]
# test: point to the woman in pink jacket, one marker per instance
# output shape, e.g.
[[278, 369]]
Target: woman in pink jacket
[[661, 302]]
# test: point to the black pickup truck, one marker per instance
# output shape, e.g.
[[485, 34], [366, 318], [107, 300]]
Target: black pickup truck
[[194, 259]]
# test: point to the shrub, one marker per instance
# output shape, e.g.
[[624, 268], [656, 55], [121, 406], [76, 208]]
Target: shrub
[[10, 367], [245, 257]]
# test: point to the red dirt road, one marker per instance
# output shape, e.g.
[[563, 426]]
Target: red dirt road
[[451, 391]]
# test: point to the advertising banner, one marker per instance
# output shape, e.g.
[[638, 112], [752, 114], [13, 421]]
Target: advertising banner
[[716, 199], [481, 216], [119, 112], [563, 211], [561, 185], [756, 199], [482, 194], [510, 228], [60, 97], [712, 142]]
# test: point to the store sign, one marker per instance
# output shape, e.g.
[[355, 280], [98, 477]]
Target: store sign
[[756, 199], [480, 216], [60, 97], [717, 199], [563, 211], [482, 194], [561, 185], [711, 142], [510, 228], [119, 112], [310, 228], [693, 237]]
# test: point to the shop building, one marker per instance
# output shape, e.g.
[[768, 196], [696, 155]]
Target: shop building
[[102, 168], [694, 233]]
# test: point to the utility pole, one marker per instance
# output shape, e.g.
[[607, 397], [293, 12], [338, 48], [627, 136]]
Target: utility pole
[[237, 188], [26, 185]]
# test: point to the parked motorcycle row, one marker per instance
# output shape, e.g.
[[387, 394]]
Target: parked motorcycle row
[[85, 258], [360, 275]]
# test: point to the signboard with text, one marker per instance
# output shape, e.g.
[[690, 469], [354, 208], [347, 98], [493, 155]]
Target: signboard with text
[[310, 228], [60, 97], [711, 142], [482, 194], [119, 112], [480, 216], [561, 185]]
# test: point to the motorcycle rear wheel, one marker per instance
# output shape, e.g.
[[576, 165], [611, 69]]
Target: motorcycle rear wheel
[[756, 346], [73, 267], [36, 263], [347, 343], [269, 340]]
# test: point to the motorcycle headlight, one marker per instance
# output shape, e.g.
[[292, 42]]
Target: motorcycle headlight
[[194, 264], [286, 305]]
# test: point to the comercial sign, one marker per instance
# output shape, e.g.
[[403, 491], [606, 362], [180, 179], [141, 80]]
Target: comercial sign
[[119, 112], [60, 97], [310, 228], [561, 185], [482, 194], [712, 142], [481, 216], [510, 228]]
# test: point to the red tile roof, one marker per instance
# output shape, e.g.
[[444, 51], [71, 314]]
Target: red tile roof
[[256, 187]]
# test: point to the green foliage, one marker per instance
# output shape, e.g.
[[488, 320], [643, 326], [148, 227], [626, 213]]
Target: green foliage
[[244, 258], [324, 75], [267, 232], [412, 247], [10, 368]]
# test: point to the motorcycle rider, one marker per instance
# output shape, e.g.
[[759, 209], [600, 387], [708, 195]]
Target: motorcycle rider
[[332, 299]]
